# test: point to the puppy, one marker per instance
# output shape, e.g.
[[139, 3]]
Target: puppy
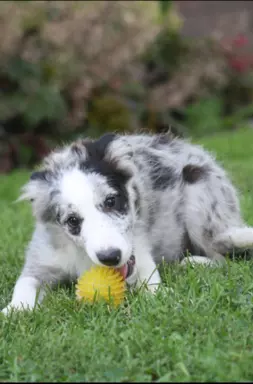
[[127, 202]]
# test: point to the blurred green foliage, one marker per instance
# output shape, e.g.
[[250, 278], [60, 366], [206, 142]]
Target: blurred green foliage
[[35, 97], [46, 98], [108, 114], [165, 6]]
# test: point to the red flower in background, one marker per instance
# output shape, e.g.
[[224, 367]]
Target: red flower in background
[[240, 64], [240, 41], [236, 61]]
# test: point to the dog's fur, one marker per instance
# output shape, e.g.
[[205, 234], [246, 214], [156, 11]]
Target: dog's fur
[[153, 196]]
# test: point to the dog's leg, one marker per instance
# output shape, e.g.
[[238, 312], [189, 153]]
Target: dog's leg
[[213, 218], [148, 274], [146, 268], [30, 287], [26, 291]]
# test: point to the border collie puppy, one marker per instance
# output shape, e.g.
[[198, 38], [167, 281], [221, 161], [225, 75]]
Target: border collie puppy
[[127, 202]]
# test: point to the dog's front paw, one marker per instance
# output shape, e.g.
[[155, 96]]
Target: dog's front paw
[[150, 285], [153, 288], [7, 310], [15, 307], [147, 287]]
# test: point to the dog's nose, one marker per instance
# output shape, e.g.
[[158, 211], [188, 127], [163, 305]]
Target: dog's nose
[[111, 257]]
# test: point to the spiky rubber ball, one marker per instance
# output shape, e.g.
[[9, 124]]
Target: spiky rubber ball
[[101, 282]]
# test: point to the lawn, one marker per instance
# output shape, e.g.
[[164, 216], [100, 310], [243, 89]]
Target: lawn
[[202, 330]]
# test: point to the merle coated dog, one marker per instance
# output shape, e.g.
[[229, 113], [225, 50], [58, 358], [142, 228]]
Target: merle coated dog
[[128, 202]]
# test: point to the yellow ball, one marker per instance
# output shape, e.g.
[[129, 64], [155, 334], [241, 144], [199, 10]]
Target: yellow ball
[[101, 282]]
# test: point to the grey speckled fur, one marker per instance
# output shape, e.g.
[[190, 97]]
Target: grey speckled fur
[[174, 197]]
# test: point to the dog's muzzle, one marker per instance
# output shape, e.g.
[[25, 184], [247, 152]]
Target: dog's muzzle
[[127, 269]]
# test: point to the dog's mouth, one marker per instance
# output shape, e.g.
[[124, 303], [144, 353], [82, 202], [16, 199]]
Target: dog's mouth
[[127, 269]]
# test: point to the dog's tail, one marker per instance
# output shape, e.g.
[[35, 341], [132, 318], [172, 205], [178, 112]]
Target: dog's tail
[[238, 238]]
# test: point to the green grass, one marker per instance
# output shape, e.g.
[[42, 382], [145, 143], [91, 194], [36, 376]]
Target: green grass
[[202, 330]]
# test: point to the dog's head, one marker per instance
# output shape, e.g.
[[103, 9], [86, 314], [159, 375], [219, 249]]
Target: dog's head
[[87, 191]]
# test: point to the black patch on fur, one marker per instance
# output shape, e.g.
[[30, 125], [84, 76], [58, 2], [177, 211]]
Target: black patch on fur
[[137, 199], [54, 193], [161, 176], [214, 209], [214, 205], [161, 140], [51, 211], [97, 163], [208, 233], [189, 247], [44, 175], [78, 147], [179, 218], [96, 149], [194, 173], [50, 214], [139, 165]]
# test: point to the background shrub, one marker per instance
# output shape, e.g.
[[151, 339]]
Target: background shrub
[[83, 68]]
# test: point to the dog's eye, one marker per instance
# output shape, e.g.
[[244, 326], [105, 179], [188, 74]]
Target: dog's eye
[[115, 203], [110, 202], [73, 221]]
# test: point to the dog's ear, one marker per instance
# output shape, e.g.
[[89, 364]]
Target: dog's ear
[[120, 154], [97, 149], [39, 190], [78, 148], [104, 142], [39, 183]]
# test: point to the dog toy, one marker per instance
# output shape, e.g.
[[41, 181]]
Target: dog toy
[[101, 282]]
